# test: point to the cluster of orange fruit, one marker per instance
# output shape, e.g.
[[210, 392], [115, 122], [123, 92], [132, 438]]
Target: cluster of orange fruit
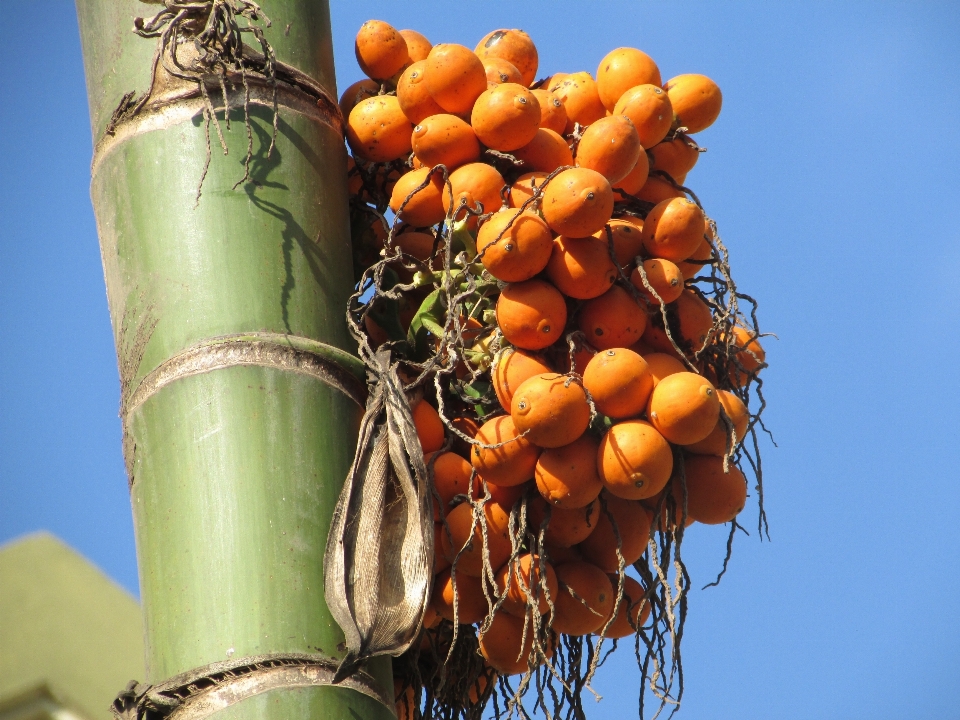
[[588, 232]]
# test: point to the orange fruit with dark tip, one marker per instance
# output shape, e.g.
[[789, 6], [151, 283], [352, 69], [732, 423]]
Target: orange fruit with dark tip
[[581, 267], [713, 496], [718, 442], [633, 525], [673, 230], [565, 528], [474, 185], [415, 102], [360, 90], [619, 382], [675, 157], [500, 71], [610, 146], [634, 460], [627, 244], [445, 140], [533, 580], [553, 116], [514, 46], [612, 320], [464, 546], [694, 319], [545, 153], [377, 129], [648, 107], [684, 408], [585, 599], [662, 365], [581, 100], [633, 611], [531, 314], [513, 463], [567, 476], [416, 205], [524, 187], [455, 77], [551, 410], [515, 245], [511, 369], [663, 276], [418, 47], [467, 592], [577, 202], [656, 190], [696, 101], [506, 117], [429, 426], [505, 645], [381, 51], [622, 69], [451, 476], [634, 181]]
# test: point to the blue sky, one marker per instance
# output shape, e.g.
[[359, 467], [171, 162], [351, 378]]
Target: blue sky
[[834, 175]]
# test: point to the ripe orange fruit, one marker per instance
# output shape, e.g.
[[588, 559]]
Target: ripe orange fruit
[[684, 407], [633, 612], [471, 603], [472, 184], [425, 206], [558, 554], [577, 202], [455, 77], [694, 318], [713, 496], [611, 146], [634, 181], [377, 129], [701, 256], [531, 314], [619, 382], [567, 476], [626, 239], [582, 355], [527, 584], [633, 525], [546, 152], [505, 645], [696, 101], [515, 246], [656, 190], [468, 535], [500, 71], [514, 46], [444, 140], [506, 117], [417, 244], [566, 527], [673, 230], [440, 561], [675, 157], [663, 276], [511, 464], [613, 320], [469, 427], [622, 69], [511, 369], [418, 47], [505, 496], [451, 476], [429, 426], [662, 365], [524, 187], [360, 90], [552, 114], [634, 460], [590, 603], [580, 98], [717, 441], [648, 106], [381, 51], [551, 409], [750, 355], [581, 267], [415, 102]]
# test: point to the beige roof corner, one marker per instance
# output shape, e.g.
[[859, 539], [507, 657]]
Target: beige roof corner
[[70, 637]]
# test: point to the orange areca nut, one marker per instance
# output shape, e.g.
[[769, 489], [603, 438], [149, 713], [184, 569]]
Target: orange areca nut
[[622, 69], [635, 180], [440, 561], [415, 102], [429, 426], [610, 146], [684, 407], [655, 190], [585, 599], [552, 410], [444, 140], [530, 573], [750, 355], [673, 230], [627, 242], [696, 101], [567, 476], [466, 538], [511, 369], [360, 90], [581, 267], [713, 496], [633, 526], [717, 442], [663, 276], [524, 187], [455, 77], [425, 206], [662, 365], [506, 117], [418, 47], [500, 71], [377, 129], [675, 157], [634, 460], [505, 645], [513, 463], [451, 476], [515, 245], [580, 98], [648, 107], [381, 51], [566, 527], [473, 184], [577, 202], [545, 153], [531, 314], [471, 602], [514, 46], [552, 114], [417, 244], [694, 318], [619, 381], [612, 320], [701, 256], [634, 609]]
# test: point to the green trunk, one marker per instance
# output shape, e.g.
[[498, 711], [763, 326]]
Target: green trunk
[[235, 467]]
